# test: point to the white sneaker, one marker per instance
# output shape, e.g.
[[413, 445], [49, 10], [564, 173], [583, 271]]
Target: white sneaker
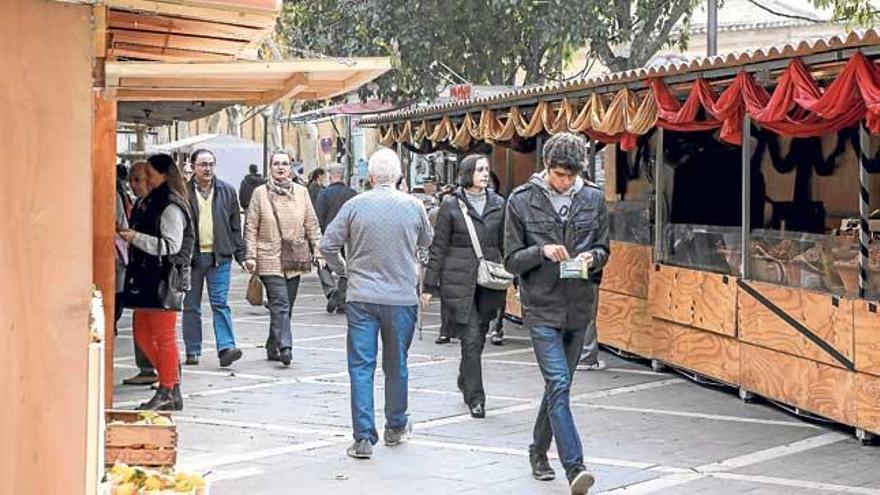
[[597, 366]]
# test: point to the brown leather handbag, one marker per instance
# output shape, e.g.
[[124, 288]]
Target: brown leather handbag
[[295, 255]]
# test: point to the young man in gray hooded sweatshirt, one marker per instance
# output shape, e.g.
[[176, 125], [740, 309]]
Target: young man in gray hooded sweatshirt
[[553, 218]]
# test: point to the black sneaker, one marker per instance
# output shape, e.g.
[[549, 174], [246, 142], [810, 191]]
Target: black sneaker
[[285, 356], [396, 436], [272, 354], [192, 360], [580, 481], [478, 411], [541, 469], [497, 338], [360, 449], [229, 356], [443, 340]]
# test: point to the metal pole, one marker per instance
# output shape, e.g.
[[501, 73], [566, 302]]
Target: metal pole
[[265, 146], [864, 211], [745, 263], [712, 29], [508, 171], [539, 153], [591, 166], [659, 199]]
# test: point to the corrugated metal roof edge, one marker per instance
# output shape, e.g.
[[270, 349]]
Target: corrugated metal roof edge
[[725, 61]]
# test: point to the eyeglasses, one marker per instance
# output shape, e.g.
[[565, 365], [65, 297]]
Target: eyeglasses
[[205, 164]]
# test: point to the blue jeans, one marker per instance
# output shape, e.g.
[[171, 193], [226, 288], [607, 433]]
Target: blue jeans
[[557, 351], [396, 325], [218, 293]]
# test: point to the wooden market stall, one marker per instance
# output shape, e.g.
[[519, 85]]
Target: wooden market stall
[[769, 153], [73, 70]]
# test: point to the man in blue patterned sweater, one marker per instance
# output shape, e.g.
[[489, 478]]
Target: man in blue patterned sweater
[[381, 229]]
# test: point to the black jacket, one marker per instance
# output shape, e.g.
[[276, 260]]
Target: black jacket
[[228, 242], [314, 188], [330, 200], [246, 189], [145, 271], [452, 264], [532, 223]]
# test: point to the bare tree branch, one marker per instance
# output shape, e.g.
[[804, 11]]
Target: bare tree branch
[[642, 52], [780, 14]]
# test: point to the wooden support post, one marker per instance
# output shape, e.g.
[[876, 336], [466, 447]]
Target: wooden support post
[[745, 268], [591, 165], [659, 199], [104, 221]]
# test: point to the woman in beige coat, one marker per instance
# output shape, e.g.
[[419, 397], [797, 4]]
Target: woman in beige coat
[[293, 210]]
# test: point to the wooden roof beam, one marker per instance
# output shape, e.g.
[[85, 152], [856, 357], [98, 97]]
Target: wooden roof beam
[[295, 84], [232, 13], [119, 19], [175, 94], [177, 41], [167, 55]]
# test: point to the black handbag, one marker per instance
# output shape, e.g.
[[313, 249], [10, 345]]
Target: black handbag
[[163, 288]]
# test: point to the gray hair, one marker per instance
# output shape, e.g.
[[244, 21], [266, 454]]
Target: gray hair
[[565, 150], [336, 170], [384, 166]]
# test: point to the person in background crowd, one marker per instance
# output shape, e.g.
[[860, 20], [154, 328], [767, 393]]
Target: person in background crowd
[[496, 332], [137, 180], [317, 183], [589, 360], [161, 237], [215, 211], [280, 208], [188, 172], [573, 224], [447, 327], [401, 184], [250, 182], [452, 270], [330, 201], [382, 229]]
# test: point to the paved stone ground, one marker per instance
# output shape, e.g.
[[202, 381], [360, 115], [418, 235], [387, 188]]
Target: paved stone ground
[[262, 429]]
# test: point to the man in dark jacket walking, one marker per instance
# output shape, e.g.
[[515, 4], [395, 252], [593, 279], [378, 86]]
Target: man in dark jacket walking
[[217, 220], [554, 218], [250, 182], [329, 201]]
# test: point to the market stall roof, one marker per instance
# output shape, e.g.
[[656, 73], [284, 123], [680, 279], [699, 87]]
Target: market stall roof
[[186, 30], [837, 48], [248, 82]]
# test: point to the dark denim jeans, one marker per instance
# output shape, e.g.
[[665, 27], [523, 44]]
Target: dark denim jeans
[[217, 278], [557, 351], [281, 293], [396, 325]]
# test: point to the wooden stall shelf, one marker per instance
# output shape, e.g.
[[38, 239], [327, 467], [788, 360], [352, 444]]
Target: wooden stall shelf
[[707, 353], [627, 269], [809, 385], [623, 322], [694, 298], [868, 402], [829, 319], [139, 445], [867, 337]]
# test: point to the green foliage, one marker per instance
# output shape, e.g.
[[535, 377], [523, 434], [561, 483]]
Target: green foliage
[[853, 12]]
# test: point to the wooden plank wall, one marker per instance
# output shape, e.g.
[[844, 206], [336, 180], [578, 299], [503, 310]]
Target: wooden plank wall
[[831, 320], [627, 269], [623, 321], [867, 337], [46, 247], [702, 300]]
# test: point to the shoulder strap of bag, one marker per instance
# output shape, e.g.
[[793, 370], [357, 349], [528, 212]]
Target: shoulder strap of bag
[[275, 213], [475, 242]]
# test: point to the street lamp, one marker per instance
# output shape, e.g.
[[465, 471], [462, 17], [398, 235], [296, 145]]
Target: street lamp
[[266, 112]]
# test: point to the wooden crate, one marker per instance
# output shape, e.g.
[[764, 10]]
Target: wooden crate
[[139, 445], [627, 269], [815, 387], [830, 320], [623, 322], [867, 337], [868, 402], [693, 298], [707, 353]]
